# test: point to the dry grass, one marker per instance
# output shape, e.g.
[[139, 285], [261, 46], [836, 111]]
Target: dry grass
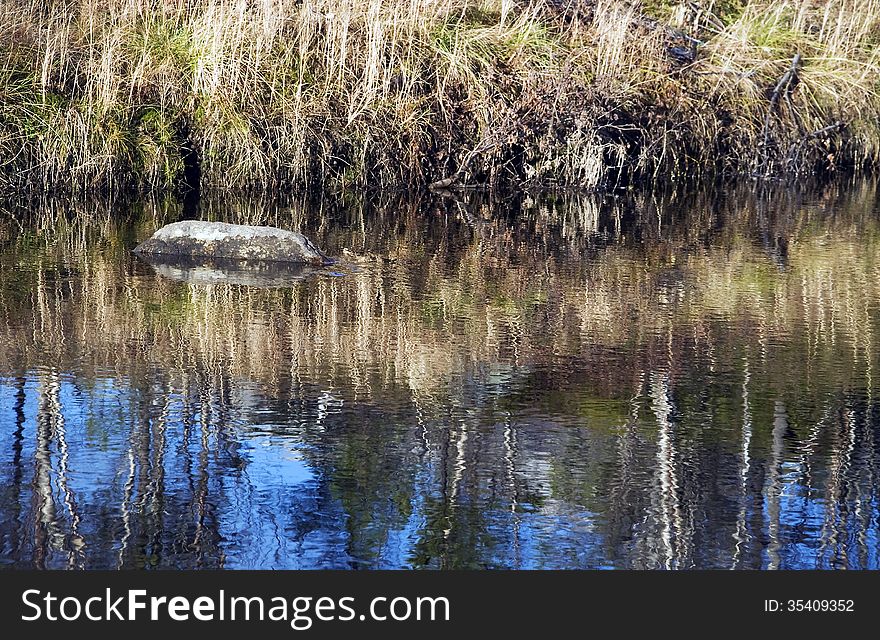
[[337, 93]]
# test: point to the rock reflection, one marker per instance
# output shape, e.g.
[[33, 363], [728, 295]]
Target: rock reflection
[[250, 273], [574, 382]]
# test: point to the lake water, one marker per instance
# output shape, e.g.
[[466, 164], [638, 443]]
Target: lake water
[[559, 381]]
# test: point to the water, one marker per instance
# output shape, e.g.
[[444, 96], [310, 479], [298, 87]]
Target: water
[[536, 382]]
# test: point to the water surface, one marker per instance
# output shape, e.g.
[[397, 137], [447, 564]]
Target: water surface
[[563, 381]]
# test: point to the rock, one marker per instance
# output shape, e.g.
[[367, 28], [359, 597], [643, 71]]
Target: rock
[[208, 271], [239, 242]]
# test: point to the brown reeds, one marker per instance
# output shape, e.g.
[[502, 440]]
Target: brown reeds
[[282, 94]]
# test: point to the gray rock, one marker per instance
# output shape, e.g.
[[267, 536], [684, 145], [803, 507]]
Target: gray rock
[[240, 242]]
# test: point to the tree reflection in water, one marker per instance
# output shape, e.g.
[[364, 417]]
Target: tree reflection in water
[[569, 381]]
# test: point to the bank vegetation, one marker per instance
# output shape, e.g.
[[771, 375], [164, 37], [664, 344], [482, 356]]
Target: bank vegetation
[[333, 94]]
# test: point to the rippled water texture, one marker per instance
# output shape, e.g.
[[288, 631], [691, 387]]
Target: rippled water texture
[[554, 382]]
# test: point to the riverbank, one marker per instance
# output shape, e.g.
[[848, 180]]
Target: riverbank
[[334, 94]]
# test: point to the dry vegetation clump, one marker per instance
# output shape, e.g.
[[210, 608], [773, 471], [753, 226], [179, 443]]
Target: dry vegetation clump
[[299, 94]]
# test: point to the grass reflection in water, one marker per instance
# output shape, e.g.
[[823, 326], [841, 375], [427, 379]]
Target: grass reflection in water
[[557, 381]]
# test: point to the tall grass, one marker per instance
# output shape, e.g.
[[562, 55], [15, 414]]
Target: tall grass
[[293, 94]]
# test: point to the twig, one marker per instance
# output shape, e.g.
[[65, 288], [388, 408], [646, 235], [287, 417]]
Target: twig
[[797, 148], [486, 145], [783, 87], [821, 132], [711, 19]]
